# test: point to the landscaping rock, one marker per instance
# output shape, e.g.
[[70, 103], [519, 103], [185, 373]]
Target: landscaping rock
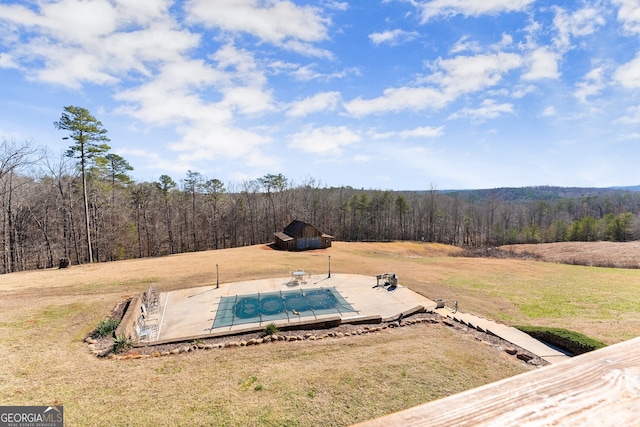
[[524, 357], [510, 350]]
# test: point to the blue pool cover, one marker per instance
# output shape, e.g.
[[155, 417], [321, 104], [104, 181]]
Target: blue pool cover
[[271, 306]]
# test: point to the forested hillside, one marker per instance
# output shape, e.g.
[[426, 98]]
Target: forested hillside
[[43, 215]]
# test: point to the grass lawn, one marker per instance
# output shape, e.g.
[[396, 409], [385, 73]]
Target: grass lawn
[[44, 315]]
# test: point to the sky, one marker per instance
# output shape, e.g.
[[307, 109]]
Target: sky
[[374, 94]]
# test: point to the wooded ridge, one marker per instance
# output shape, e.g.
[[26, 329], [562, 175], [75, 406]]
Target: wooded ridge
[[44, 219]]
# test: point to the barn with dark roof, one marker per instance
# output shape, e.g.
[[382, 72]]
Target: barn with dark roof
[[300, 236]]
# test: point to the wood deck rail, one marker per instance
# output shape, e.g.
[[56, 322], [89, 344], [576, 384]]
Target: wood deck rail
[[597, 388]]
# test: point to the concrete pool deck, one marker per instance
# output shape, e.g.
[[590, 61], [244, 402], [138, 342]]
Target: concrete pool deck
[[191, 312], [188, 314]]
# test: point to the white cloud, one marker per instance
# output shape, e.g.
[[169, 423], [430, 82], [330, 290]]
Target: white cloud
[[463, 45], [102, 42], [247, 100], [592, 84], [307, 49], [549, 112], [543, 64], [419, 132], [325, 141], [452, 77], [630, 136], [74, 42], [629, 15], [521, 90], [393, 37], [398, 99], [446, 8], [205, 140], [241, 81], [337, 5], [170, 97], [308, 73], [580, 23], [465, 74], [505, 42], [628, 75], [280, 22], [320, 102], [489, 109], [154, 162], [632, 116], [174, 96], [142, 12]]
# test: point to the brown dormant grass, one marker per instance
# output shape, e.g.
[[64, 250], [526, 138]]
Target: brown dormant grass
[[611, 254], [44, 316]]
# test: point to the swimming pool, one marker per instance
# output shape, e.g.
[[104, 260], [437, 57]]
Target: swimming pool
[[272, 306]]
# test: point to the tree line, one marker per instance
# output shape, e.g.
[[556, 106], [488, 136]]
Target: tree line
[[84, 207]]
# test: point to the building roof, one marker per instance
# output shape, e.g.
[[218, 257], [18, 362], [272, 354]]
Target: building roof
[[280, 235], [295, 228]]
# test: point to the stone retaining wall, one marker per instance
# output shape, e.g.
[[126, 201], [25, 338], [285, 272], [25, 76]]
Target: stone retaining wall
[[127, 324]]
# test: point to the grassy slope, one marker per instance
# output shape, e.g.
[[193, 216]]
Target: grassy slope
[[45, 314]]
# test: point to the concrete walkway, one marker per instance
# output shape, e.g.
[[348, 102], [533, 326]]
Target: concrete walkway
[[507, 333]]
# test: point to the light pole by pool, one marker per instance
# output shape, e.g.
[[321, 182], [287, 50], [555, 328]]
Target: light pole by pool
[[329, 266], [217, 279]]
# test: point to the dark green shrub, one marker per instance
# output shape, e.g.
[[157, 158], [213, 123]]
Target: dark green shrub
[[572, 342], [106, 328], [122, 342], [271, 329]]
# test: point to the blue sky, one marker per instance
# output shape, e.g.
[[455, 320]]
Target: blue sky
[[393, 94]]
